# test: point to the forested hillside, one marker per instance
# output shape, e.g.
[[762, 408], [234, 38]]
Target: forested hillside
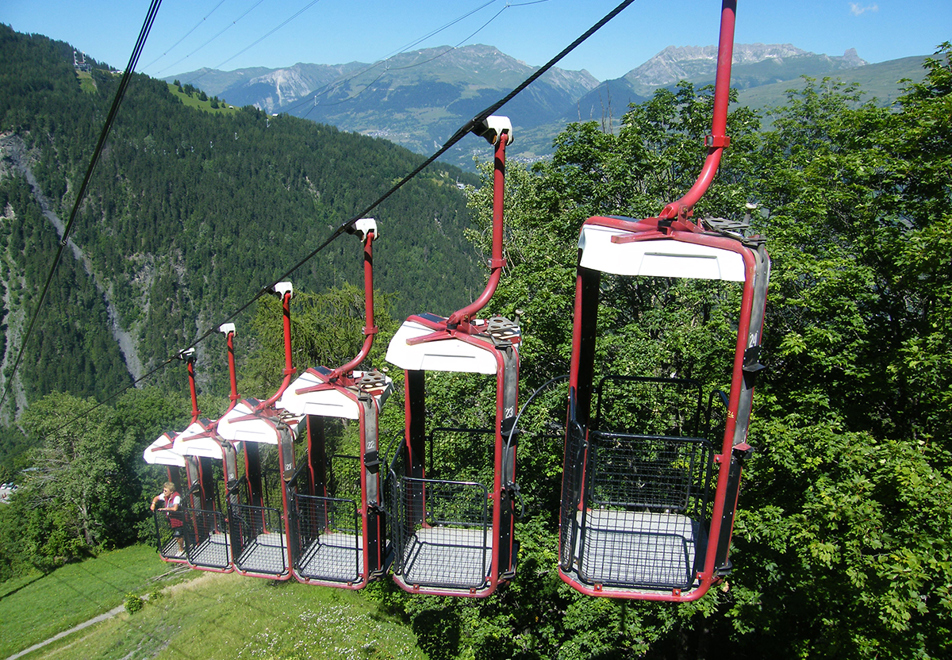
[[189, 213]]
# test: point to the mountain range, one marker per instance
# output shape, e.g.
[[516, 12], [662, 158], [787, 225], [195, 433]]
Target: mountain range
[[418, 99]]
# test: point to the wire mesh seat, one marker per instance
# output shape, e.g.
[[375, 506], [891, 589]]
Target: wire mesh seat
[[330, 541], [450, 544], [639, 517], [263, 543], [644, 515], [206, 541], [442, 529]]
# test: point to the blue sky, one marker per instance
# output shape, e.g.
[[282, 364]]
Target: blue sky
[[231, 34]]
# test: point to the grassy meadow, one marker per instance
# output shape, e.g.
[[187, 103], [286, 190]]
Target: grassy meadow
[[36, 607], [206, 106], [203, 615]]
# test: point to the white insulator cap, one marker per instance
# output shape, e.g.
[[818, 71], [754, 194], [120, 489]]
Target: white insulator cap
[[226, 328], [367, 225], [282, 288], [494, 126]]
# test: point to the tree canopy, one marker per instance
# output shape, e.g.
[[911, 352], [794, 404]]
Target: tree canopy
[[841, 544]]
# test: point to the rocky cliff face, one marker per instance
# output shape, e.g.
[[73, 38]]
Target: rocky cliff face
[[288, 86], [272, 89]]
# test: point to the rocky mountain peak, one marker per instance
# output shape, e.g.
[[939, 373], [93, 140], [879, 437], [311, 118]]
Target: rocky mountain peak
[[676, 63]]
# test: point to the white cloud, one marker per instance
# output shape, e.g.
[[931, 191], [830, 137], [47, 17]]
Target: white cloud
[[856, 9]]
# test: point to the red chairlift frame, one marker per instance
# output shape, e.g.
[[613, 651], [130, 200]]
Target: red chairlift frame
[[283, 429], [367, 392], [166, 450], [206, 442], [673, 224], [500, 358]]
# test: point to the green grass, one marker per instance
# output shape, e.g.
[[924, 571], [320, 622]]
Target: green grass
[[209, 616], [86, 82], [232, 617], [32, 609], [206, 106]]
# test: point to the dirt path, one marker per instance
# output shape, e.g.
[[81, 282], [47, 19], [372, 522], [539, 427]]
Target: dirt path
[[111, 613], [85, 624]]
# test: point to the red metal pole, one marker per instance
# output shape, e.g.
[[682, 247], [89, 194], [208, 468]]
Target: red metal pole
[[369, 329], [190, 366], [497, 262], [230, 339], [718, 140], [288, 368]]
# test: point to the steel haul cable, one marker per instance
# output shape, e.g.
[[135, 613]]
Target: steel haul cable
[[123, 84], [260, 39], [234, 22], [329, 87], [195, 27], [459, 135]]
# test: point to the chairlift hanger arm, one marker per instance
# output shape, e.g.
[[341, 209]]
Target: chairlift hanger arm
[[188, 355], [718, 140], [228, 329], [368, 229], [498, 131], [285, 291]]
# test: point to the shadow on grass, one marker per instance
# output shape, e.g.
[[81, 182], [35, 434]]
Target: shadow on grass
[[25, 584]]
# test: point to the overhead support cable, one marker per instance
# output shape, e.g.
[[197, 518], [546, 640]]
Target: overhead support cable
[[476, 125], [335, 84], [221, 32], [388, 69], [260, 39], [162, 365], [81, 194], [458, 44], [435, 32], [195, 27], [466, 128], [312, 96], [473, 124]]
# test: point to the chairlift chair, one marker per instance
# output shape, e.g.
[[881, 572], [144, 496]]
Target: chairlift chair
[[263, 541], [160, 452], [183, 471], [454, 536], [210, 537], [341, 538], [636, 521]]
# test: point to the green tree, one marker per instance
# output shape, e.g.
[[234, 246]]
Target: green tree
[[841, 544], [78, 495], [327, 329], [847, 501]]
